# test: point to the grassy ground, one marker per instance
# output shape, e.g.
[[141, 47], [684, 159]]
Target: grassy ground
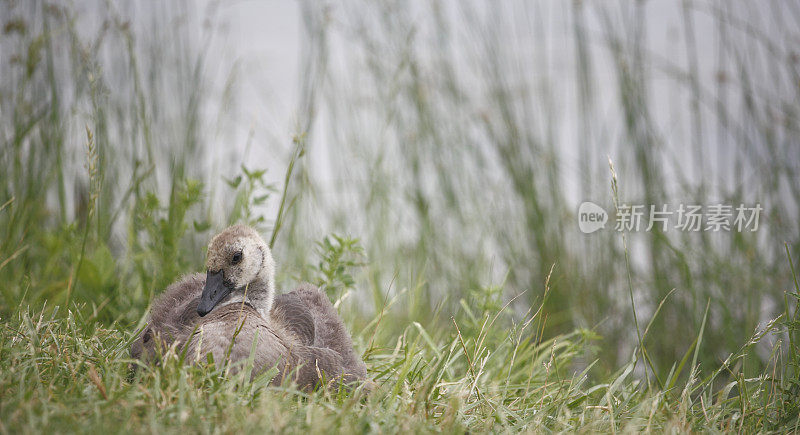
[[474, 300], [65, 372]]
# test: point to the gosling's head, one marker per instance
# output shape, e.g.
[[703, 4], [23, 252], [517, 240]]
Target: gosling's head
[[238, 262]]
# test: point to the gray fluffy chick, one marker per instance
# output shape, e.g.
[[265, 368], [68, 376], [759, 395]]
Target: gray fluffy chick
[[300, 332]]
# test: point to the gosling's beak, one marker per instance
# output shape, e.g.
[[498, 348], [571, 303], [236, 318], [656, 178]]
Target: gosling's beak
[[214, 291]]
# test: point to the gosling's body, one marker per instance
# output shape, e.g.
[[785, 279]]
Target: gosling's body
[[298, 332]]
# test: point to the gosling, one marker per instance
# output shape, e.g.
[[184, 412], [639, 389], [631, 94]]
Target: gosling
[[233, 310]]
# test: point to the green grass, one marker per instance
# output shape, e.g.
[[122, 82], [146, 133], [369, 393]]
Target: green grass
[[66, 372], [446, 236]]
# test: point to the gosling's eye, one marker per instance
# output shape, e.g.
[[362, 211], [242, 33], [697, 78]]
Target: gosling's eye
[[237, 257]]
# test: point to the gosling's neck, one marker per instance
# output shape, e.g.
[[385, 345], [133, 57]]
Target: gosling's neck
[[259, 294]]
